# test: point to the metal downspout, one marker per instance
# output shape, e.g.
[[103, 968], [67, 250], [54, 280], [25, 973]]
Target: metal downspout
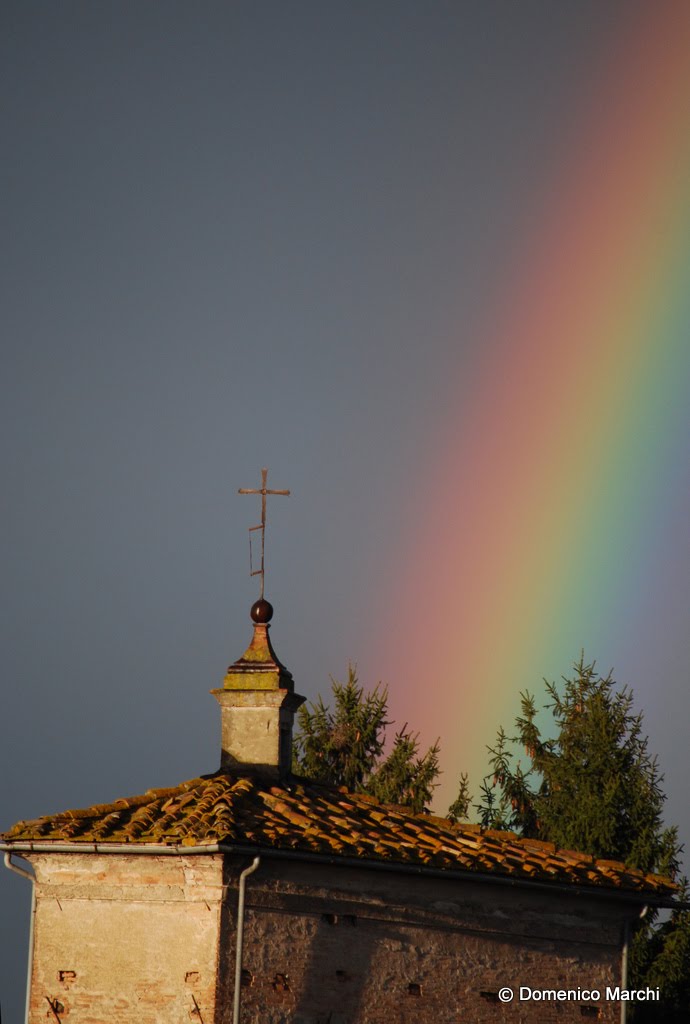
[[32, 878], [240, 940], [624, 963], [624, 968]]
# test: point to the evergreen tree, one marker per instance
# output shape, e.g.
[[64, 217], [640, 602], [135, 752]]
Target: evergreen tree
[[592, 786], [345, 747], [460, 808], [404, 778], [660, 958], [342, 747]]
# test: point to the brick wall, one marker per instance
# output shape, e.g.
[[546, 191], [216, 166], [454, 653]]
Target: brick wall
[[151, 939]]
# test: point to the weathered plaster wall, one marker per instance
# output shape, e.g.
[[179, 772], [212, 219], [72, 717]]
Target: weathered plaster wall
[[329, 945], [125, 939]]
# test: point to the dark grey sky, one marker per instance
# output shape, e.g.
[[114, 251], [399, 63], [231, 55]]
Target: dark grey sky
[[235, 235]]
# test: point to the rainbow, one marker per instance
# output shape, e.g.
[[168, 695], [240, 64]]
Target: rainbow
[[530, 532]]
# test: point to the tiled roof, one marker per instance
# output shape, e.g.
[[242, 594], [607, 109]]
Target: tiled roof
[[309, 818]]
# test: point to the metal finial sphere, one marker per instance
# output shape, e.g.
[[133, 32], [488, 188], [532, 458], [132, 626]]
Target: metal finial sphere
[[262, 611]]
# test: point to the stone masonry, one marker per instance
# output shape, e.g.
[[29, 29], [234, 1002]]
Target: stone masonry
[[151, 939]]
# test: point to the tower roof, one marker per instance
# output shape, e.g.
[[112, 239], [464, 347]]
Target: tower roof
[[259, 667]]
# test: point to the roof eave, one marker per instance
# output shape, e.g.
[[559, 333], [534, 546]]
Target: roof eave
[[636, 896]]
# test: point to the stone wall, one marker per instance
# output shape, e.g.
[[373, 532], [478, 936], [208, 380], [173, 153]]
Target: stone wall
[[326, 945], [145, 939]]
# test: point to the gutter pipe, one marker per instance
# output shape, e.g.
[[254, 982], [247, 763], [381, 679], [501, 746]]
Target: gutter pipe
[[240, 940], [624, 963], [32, 878], [161, 849]]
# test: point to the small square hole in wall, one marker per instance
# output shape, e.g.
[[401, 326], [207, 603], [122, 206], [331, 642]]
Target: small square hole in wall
[[490, 997], [246, 978], [413, 989], [347, 920], [590, 1011]]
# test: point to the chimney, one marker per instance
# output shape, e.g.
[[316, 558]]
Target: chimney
[[258, 704]]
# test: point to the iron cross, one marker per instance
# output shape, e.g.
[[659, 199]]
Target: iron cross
[[263, 491]]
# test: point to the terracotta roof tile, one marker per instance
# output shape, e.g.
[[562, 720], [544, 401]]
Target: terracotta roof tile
[[304, 816]]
